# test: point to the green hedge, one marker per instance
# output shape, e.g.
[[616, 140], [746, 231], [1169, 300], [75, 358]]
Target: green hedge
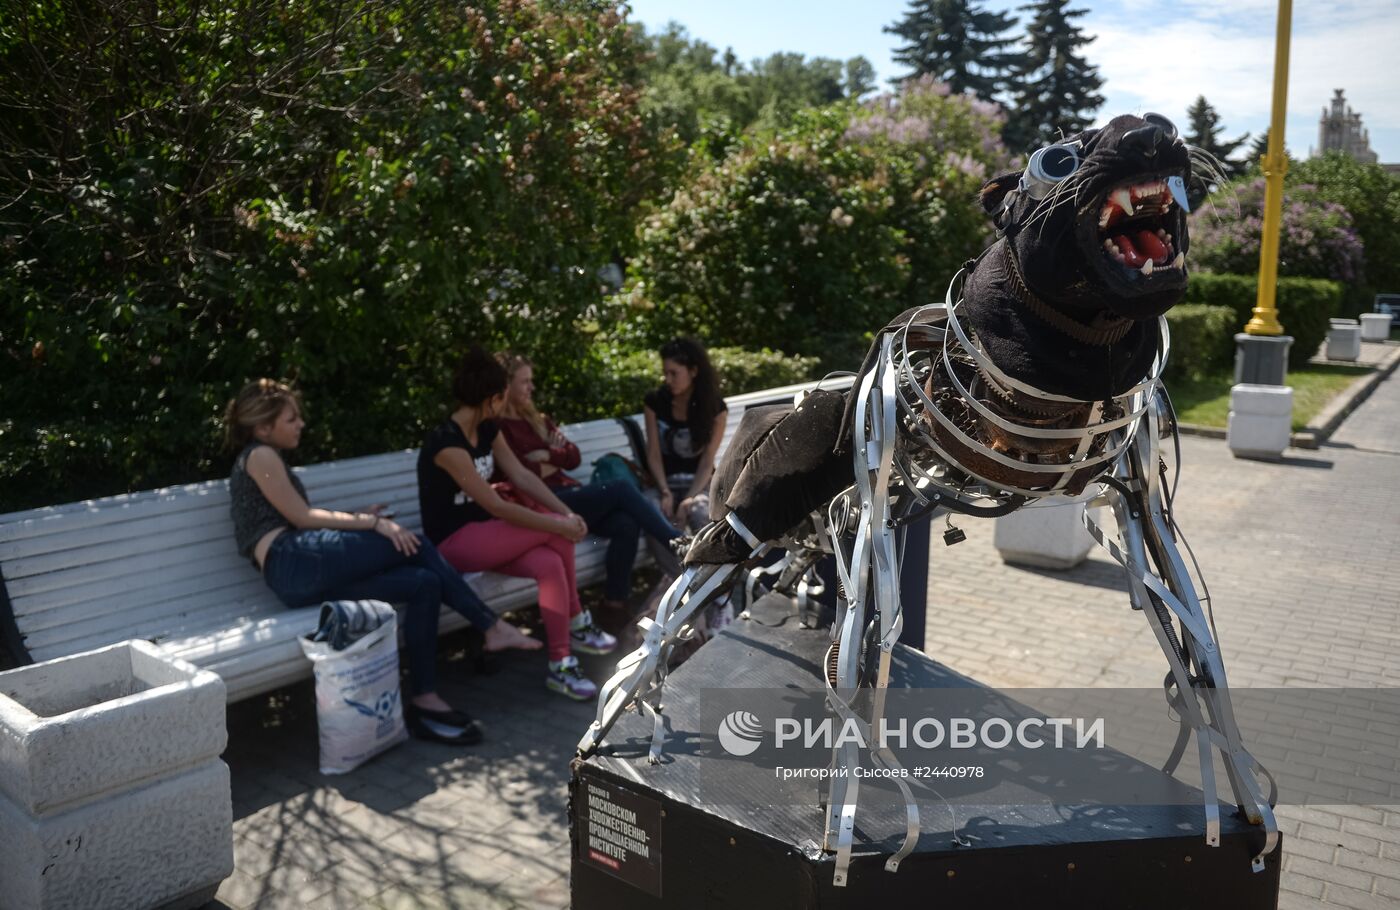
[[626, 377], [1304, 306], [48, 466], [1202, 339]]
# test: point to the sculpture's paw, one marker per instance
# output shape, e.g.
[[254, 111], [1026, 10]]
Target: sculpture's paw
[[716, 544]]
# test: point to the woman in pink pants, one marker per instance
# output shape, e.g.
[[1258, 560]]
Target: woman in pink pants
[[475, 528]]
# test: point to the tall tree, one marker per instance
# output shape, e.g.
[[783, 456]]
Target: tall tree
[[692, 88], [786, 82], [860, 77], [1059, 87], [1204, 133], [1259, 147], [957, 42]]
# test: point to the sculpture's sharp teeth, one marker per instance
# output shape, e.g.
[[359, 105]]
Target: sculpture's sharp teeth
[[1147, 267], [1180, 261], [1124, 200]]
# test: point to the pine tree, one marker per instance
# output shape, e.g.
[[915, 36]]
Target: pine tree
[[1059, 87], [1204, 133], [958, 43], [1259, 147]]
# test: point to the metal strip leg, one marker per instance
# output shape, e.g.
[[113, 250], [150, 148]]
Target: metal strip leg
[[643, 669], [1146, 537]]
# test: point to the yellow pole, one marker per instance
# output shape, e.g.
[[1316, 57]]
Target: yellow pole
[[1265, 319]]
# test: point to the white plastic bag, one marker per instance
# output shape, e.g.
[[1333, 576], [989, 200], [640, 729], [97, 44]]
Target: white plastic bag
[[358, 706]]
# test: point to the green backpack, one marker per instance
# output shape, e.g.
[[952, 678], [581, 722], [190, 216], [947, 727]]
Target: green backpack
[[613, 468]]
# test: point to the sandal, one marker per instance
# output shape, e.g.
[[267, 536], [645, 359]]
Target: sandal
[[455, 728]]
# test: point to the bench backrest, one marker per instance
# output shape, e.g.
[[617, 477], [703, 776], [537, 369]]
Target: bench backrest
[[161, 564]]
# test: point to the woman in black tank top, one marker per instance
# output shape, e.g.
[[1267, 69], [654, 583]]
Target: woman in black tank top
[[685, 420]]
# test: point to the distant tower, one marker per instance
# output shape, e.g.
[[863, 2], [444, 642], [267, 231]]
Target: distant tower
[[1340, 130]]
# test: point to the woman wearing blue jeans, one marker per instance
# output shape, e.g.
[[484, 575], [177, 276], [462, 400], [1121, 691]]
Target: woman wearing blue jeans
[[309, 555]]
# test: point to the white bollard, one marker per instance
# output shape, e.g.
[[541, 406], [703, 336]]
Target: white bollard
[[1343, 341], [1375, 326], [1261, 420], [1047, 536], [112, 792]]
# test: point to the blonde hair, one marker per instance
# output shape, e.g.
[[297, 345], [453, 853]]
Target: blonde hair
[[260, 402], [513, 364]]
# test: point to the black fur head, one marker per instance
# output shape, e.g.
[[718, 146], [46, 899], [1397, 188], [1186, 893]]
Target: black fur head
[[1118, 194], [1095, 229]]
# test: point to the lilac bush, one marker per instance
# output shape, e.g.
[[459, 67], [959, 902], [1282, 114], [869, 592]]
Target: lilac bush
[[809, 237], [1317, 238]]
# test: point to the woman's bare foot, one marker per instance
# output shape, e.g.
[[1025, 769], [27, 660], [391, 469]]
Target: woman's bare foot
[[503, 636], [430, 701]]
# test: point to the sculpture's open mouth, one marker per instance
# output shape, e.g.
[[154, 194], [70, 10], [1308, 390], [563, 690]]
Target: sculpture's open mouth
[[1140, 226]]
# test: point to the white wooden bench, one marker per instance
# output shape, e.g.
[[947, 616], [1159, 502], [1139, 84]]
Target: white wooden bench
[[160, 565]]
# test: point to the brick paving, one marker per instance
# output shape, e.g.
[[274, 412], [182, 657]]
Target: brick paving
[[1303, 562], [1302, 558]]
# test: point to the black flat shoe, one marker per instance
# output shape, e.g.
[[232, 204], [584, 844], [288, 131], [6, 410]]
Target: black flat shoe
[[451, 727]]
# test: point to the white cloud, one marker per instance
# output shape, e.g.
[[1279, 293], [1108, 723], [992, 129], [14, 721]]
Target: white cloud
[[1228, 56]]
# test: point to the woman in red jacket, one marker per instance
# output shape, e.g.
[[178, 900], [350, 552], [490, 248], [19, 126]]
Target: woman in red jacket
[[617, 511]]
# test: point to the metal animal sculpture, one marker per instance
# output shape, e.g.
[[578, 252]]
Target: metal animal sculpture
[[1039, 380]]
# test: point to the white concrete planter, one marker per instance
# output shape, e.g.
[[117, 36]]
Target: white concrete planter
[[1261, 420], [1375, 326], [1045, 536], [112, 793], [1343, 341]]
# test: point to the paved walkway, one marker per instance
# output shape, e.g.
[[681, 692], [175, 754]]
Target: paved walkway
[[1373, 353], [1303, 562], [1302, 557]]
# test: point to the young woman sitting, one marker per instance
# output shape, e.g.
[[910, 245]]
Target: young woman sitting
[[477, 528], [685, 420], [618, 510], [308, 555]]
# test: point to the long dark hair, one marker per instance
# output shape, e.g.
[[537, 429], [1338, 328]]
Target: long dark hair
[[479, 376], [705, 399]]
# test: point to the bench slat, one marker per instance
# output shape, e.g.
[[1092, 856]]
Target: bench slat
[[123, 507], [192, 591], [113, 620]]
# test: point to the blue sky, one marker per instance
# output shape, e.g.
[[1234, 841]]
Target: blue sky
[[1154, 56]]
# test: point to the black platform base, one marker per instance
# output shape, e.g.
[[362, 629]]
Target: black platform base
[[674, 846]]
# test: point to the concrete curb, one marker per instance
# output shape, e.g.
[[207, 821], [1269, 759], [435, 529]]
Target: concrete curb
[[1329, 418]]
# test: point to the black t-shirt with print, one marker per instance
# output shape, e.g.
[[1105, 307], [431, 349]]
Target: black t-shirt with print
[[442, 503], [680, 453]]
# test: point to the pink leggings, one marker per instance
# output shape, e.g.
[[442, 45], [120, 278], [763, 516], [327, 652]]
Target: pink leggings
[[499, 546]]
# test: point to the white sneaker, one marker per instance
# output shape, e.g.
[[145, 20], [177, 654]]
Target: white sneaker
[[589, 639], [568, 680]]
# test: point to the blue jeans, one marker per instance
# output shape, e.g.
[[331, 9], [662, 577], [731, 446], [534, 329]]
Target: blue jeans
[[619, 512], [306, 567]]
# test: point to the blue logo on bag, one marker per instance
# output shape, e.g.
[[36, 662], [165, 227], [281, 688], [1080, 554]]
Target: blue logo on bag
[[383, 707]]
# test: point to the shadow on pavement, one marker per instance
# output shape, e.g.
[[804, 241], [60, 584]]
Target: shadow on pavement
[[483, 826]]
